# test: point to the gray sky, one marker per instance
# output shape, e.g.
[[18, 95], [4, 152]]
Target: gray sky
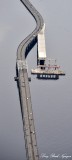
[[52, 100]]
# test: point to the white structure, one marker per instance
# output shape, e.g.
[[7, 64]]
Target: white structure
[[41, 47]]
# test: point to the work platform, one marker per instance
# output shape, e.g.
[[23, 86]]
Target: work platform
[[43, 70], [50, 71]]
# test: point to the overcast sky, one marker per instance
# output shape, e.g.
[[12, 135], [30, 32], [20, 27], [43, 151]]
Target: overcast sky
[[51, 100]]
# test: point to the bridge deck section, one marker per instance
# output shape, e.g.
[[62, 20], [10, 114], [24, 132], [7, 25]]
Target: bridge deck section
[[23, 84], [41, 45]]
